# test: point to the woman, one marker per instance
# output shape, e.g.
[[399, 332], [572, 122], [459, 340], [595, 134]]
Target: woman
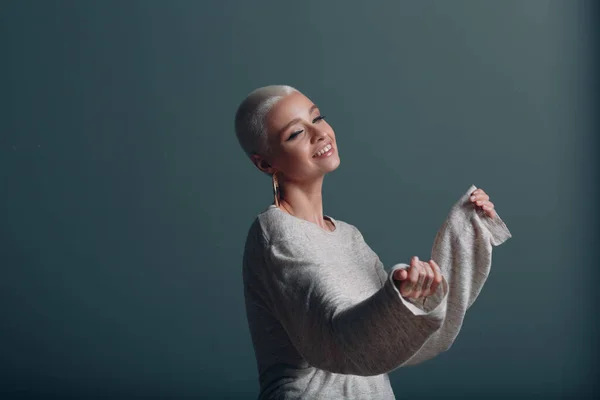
[[326, 320]]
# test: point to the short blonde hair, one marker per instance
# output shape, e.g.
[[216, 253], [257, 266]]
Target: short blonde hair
[[250, 117]]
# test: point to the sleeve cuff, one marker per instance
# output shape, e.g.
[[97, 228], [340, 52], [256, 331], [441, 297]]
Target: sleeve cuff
[[435, 306], [498, 230]]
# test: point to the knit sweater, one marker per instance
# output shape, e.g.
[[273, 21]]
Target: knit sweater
[[327, 321]]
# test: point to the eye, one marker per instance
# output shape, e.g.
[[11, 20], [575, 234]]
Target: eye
[[317, 119], [293, 135]]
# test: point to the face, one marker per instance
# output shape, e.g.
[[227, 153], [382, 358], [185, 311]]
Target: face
[[297, 133]]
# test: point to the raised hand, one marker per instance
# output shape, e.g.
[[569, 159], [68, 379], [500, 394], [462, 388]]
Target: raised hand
[[421, 279], [481, 199]]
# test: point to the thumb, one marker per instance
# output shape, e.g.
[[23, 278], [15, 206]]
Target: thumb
[[400, 274]]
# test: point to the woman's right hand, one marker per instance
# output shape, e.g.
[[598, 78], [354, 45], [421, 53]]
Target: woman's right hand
[[421, 279]]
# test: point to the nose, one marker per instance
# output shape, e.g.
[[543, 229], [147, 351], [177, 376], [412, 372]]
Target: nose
[[318, 134]]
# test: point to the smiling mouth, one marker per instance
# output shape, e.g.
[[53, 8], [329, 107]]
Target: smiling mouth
[[326, 149]]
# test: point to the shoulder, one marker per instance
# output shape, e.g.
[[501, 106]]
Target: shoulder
[[275, 225], [276, 238], [266, 227], [272, 225]]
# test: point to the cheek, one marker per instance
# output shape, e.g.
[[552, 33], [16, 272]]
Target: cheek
[[295, 158], [299, 162], [302, 155]]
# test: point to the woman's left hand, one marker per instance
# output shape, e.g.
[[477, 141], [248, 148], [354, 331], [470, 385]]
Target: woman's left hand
[[481, 199]]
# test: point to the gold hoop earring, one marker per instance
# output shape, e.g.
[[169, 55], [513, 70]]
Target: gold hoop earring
[[275, 189]]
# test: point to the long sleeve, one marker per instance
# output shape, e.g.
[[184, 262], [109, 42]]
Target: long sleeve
[[329, 328], [327, 320], [463, 250]]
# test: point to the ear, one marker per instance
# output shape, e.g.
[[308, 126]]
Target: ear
[[261, 164]]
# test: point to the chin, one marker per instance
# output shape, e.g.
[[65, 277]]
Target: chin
[[334, 165]]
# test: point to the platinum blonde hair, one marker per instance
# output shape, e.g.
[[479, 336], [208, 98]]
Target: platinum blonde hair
[[250, 117]]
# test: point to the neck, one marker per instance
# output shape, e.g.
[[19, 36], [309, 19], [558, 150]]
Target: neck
[[304, 200]]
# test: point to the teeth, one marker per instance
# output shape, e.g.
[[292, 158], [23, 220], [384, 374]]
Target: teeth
[[323, 150]]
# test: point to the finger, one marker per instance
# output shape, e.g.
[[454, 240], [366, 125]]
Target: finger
[[408, 286], [405, 286], [400, 274], [413, 276], [490, 212], [414, 261], [489, 209], [479, 200], [482, 198], [488, 205], [429, 275], [482, 204], [479, 194], [422, 280], [437, 279]]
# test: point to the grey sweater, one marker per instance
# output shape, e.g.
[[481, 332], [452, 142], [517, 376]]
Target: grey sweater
[[327, 320]]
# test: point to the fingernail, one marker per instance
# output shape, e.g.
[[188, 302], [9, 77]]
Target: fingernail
[[416, 258]]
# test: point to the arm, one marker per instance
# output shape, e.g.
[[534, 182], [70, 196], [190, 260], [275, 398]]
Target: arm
[[463, 249], [334, 333]]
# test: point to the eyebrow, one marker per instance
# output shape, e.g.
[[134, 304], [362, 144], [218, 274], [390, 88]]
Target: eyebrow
[[292, 122]]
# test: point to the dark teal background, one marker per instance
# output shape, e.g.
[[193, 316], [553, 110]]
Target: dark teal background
[[125, 197]]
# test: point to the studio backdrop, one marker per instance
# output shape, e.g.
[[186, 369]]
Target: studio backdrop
[[125, 198]]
